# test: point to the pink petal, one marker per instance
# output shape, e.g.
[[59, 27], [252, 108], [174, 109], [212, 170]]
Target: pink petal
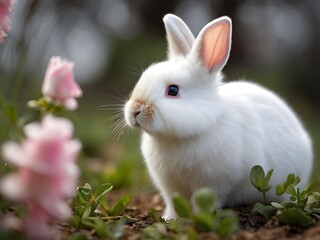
[[57, 209], [13, 153], [51, 127], [36, 226], [71, 104], [5, 9], [72, 149], [13, 188], [59, 84]]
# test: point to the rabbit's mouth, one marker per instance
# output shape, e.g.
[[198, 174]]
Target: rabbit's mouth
[[139, 114]]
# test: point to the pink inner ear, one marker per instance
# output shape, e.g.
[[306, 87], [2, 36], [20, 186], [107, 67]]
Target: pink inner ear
[[215, 46]]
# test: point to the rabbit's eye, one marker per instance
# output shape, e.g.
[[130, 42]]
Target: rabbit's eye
[[173, 90]]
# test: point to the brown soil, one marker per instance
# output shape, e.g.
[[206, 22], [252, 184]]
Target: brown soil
[[252, 227]]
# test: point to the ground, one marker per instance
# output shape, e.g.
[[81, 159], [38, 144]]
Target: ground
[[252, 227]]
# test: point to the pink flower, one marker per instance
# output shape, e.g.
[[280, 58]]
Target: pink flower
[[59, 85], [5, 10], [46, 170], [35, 224]]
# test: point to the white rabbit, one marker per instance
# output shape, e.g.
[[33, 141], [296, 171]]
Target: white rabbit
[[201, 132]]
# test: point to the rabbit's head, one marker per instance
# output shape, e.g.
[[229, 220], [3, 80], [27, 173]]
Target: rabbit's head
[[179, 97]]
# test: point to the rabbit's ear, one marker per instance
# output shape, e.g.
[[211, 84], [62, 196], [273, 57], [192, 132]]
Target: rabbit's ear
[[180, 38], [212, 46]]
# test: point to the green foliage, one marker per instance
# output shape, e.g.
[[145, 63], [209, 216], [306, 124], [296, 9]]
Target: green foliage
[[9, 121], [92, 210], [223, 222], [121, 174], [261, 181], [119, 207], [205, 200], [181, 205], [295, 217], [265, 211], [291, 180], [301, 211], [88, 200], [301, 207], [207, 219], [192, 225], [155, 216]]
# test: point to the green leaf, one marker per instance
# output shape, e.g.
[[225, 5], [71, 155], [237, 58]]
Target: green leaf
[[79, 210], [205, 200], [303, 203], [93, 206], [103, 203], [203, 222], [76, 221], [181, 205], [291, 190], [192, 234], [257, 176], [120, 206], [84, 193], [265, 211], [102, 190], [295, 217], [308, 189], [175, 226], [293, 198], [87, 185], [155, 216], [280, 189], [86, 212], [269, 174], [110, 230], [291, 180], [296, 180], [228, 224], [259, 180]]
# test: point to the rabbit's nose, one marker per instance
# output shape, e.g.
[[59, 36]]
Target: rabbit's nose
[[136, 113]]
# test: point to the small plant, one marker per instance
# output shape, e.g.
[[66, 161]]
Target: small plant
[[92, 210], [261, 181], [88, 201], [302, 210], [190, 225], [223, 222]]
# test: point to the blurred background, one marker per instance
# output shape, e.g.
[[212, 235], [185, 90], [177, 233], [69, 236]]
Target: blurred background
[[275, 43]]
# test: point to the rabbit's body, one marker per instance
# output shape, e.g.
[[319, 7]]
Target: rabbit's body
[[267, 133], [201, 132]]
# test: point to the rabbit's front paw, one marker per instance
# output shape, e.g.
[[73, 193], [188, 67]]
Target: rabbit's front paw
[[169, 213]]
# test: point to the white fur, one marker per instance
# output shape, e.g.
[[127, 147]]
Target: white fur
[[213, 133]]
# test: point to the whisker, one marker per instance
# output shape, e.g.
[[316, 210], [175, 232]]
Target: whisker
[[119, 95], [118, 98], [114, 118], [110, 108], [118, 129], [137, 62]]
